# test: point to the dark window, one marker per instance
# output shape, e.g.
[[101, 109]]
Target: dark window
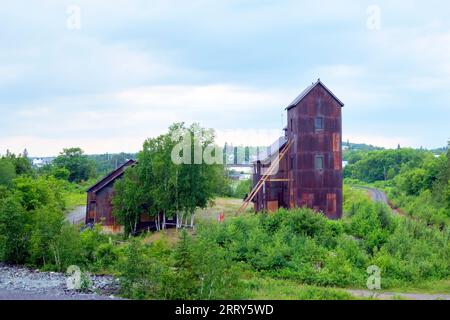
[[318, 123], [291, 126], [292, 162], [318, 163]]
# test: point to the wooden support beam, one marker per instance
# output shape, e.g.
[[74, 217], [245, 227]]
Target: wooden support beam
[[265, 177]]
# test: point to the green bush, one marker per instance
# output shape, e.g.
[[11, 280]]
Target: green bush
[[45, 230], [195, 269], [243, 188], [14, 230]]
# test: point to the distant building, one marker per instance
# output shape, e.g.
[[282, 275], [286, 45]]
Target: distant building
[[40, 162], [99, 206], [309, 157], [99, 196]]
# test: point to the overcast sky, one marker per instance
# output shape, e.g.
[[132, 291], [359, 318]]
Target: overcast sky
[[131, 68]]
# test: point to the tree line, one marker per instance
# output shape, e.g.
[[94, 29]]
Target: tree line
[[416, 180]]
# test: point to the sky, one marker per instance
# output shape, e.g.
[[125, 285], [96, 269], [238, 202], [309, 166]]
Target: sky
[[106, 75]]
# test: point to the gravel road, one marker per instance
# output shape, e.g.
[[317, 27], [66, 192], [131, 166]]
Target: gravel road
[[376, 195], [20, 283], [394, 295], [77, 215]]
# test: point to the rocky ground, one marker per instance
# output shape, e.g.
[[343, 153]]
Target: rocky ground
[[20, 283]]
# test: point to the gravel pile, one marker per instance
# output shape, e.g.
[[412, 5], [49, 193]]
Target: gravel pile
[[24, 283]]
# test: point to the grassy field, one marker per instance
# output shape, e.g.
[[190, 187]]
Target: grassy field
[[278, 289], [229, 206], [430, 287], [74, 199]]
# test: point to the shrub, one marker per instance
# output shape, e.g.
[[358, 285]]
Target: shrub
[[46, 228], [195, 269], [14, 230]]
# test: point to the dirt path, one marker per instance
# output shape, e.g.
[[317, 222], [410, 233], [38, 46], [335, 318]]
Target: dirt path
[[375, 194], [77, 215], [396, 295], [379, 196], [19, 283]]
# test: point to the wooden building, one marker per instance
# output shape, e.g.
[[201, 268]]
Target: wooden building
[[304, 168], [99, 207]]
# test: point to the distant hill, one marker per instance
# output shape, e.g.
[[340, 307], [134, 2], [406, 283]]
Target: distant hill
[[105, 163], [360, 146], [439, 150]]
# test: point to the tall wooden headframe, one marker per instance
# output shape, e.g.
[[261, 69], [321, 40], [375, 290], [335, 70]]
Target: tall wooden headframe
[[310, 169]]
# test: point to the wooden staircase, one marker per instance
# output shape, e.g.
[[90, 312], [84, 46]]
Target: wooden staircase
[[265, 176]]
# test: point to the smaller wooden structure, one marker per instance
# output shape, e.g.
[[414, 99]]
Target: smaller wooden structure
[[99, 196], [99, 207]]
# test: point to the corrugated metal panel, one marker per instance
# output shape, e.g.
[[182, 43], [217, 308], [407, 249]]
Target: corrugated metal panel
[[318, 189]]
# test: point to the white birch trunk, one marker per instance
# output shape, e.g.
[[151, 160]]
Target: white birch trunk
[[164, 221]]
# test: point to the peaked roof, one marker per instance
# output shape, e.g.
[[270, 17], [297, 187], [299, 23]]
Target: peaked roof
[[308, 90], [111, 176]]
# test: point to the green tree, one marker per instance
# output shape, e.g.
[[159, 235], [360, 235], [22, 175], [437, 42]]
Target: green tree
[[81, 168], [134, 269], [129, 201], [39, 192], [243, 188], [7, 171], [22, 165], [156, 184], [47, 224], [14, 230], [413, 181]]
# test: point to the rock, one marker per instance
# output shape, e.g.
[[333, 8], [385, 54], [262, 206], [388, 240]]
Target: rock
[[52, 283]]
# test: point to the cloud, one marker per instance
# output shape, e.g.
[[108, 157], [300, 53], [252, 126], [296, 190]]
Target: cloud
[[136, 66], [357, 87], [381, 140], [120, 121]]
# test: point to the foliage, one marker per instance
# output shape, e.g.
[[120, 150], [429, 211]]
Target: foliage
[[195, 269], [129, 200], [383, 164], [415, 180], [283, 289], [7, 172], [14, 230], [243, 189], [80, 167], [46, 227], [38, 192], [305, 246], [105, 163], [156, 184]]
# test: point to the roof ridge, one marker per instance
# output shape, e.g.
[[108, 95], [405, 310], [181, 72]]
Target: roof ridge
[[109, 175], [305, 92]]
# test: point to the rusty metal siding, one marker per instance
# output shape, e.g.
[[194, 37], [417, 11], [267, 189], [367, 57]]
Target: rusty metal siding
[[104, 205], [326, 184], [320, 190]]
